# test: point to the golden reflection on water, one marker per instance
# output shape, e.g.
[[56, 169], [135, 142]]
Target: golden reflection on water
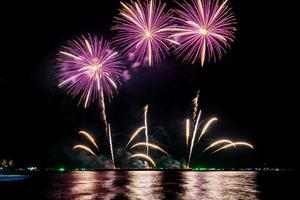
[[144, 185], [192, 186], [92, 185], [220, 185], [153, 185]]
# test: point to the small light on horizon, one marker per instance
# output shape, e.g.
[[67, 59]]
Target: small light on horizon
[[61, 169]]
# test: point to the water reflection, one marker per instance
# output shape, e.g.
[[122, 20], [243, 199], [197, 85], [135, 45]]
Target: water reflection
[[153, 185], [172, 183], [84, 185], [192, 184], [219, 185], [145, 185]]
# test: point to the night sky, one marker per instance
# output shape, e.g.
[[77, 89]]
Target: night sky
[[247, 90]]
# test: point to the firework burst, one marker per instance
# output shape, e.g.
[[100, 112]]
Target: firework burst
[[226, 143], [138, 131], [89, 138], [153, 146], [90, 68], [85, 148], [144, 156], [205, 30], [234, 145], [143, 31]]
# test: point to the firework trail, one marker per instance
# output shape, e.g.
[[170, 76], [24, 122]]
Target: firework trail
[[217, 143], [146, 128], [144, 30], [89, 137], [102, 109], [193, 138], [205, 29], [206, 126], [187, 132], [141, 155], [135, 134], [195, 104], [85, 148], [111, 147], [89, 67], [153, 146], [234, 145]]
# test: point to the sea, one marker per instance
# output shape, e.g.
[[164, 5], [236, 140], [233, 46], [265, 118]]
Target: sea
[[186, 185]]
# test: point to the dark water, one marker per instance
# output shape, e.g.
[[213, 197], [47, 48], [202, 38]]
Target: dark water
[[152, 185]]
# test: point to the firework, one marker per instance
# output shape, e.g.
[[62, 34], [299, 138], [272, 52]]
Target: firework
[[143, 30], [234, 145], [153, 146], [195, 104], [90, 68], [218, 143], [135, 134], [85, 148], [205, 29], [197, 124], [111, 147], [89, 137], [146, 128], [144, 156], [193, 137], [187, 131], [206, 126]]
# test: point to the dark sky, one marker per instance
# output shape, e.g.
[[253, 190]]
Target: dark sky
[[247, 90]]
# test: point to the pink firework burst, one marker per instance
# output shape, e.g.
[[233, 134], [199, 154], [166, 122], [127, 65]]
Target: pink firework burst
[[89, 67], [205, 30], [143, 31]]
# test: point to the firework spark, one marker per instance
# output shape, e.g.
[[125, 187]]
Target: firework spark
[[89, 137], [85, 148], [193, 137], [206, 126], [205, 29], [196, 105], [146, 128], [111, 147], [89, 67], [153, 146], [187, 132], [143, 30], [144, 156], [135, 134], [234, 145], [218, 143]]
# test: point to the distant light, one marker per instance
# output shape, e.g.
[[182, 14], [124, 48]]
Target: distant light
[[200, 169], [31, 168], [61, 169]]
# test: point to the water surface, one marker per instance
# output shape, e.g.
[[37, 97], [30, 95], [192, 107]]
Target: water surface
[[186, 185]]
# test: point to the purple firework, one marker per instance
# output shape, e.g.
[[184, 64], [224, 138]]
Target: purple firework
[[143, 31], [89, 67], [205, 29]]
